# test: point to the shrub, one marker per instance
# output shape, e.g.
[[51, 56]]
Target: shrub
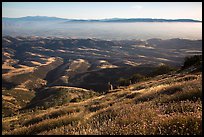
[[133, 79], [123, 82], [192, 60], [163, 69], [137, 78]]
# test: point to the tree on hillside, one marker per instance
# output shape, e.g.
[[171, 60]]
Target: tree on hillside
[[192, 60], [131, 80], [163, 69], [136, 78], [123, 82]]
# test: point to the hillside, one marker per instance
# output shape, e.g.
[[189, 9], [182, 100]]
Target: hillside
[[30, 62], [53, 85], [168, 104]]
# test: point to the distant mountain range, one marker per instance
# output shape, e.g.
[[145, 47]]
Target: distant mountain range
[[45, 18]]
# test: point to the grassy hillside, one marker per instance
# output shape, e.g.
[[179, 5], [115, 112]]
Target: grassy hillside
[[15, 99], [166, 104], [60, 86]]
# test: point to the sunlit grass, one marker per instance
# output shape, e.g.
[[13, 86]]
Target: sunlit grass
[[165, 106]]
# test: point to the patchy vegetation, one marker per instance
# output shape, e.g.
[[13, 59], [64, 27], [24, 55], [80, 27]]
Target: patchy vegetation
[[164, 105], [15, 99], [162, 69], [195, 60], [147, 100]]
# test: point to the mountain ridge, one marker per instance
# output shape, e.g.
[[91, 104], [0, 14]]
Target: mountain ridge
[[44, 18]]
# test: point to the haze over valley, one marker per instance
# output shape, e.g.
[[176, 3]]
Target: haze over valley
[[111, 29]]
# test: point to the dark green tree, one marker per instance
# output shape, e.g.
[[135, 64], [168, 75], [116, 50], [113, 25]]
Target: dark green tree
[[192, 60]]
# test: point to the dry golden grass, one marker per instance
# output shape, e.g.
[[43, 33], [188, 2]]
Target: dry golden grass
[[34, 54], [36, 63], [165, 105], [7, 98], [18, 71]]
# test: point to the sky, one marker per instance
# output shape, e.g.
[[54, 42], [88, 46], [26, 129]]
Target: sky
[[102, 10]]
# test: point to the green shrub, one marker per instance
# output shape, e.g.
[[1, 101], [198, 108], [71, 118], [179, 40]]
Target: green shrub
[[133, 79], [163, 69], [136, 78], [192, 60], [123, 82]]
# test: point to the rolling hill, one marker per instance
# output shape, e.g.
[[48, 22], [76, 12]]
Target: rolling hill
[[30, 62], [53, 85], [168, 104]]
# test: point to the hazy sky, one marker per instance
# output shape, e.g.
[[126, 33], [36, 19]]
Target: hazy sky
[[101, 10]]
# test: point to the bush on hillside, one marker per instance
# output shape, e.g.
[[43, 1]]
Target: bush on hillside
[[123, 82], [137, 78], [192, 60], [163, 69], [133, 79]]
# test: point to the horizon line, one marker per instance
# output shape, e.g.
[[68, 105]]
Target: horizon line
[[103, 18]]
